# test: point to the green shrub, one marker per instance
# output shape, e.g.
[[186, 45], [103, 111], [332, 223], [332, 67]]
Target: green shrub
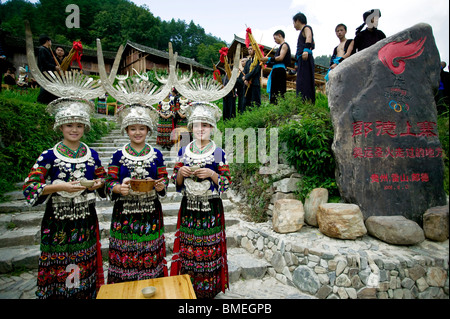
[[308, 142], [443, 128], [307, 133]]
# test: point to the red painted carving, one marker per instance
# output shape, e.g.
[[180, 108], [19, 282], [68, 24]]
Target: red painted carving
[[394, 54]]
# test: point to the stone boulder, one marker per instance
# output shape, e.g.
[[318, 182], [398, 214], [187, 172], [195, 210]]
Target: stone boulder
[[280, 195], [435, 223], [395, 230], [288, 216], [288, 185], [388, 155], [306, 279], [344, 221], [317, 197]]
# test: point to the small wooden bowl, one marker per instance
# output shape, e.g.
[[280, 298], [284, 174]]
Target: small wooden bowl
[[87, 183], [194, 168], [148, 291], [142, 185]]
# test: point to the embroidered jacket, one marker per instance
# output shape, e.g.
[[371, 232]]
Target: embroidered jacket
[[213, 158], [61, 164], [126, 162]]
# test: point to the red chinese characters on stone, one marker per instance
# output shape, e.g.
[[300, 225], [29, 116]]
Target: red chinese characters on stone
[[425, 128], [400, 178], [388, 152]]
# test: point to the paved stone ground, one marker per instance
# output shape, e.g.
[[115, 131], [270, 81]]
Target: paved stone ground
[[23, 285], [251, 276]]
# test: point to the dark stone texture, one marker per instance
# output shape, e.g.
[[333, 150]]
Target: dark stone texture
[[386, 144], [435, 223]]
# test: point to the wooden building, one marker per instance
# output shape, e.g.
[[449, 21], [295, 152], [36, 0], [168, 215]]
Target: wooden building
[[320, 71], [17, 56], [143, 58], [137, 56]]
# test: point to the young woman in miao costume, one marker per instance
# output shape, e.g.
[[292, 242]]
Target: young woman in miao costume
[[70, 264], [202, 174], [137, 247]]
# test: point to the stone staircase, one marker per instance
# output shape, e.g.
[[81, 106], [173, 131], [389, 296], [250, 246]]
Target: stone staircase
[[20, 235]]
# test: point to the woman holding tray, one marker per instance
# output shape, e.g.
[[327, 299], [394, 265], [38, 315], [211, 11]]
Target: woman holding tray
[[137, 247]]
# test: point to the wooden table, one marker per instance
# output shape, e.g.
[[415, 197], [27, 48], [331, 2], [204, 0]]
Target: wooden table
[[174, 287]]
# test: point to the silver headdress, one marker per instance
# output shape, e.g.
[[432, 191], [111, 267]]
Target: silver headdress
[[203, 112], [137, 94], [184, 105], [133, 90], [71, 110], [73, 89], [137, 114], [203, 92]]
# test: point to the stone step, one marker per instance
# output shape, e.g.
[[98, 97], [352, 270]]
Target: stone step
[[241, 265], [27, 231], [18, 194], [25, 255], [170, 205], [32, 218]]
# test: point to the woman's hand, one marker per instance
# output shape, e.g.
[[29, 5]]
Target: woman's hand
[[305, 56], [159, 184], [204, 173], [98, 183], [125, 187], [185, 171], [71, 187]]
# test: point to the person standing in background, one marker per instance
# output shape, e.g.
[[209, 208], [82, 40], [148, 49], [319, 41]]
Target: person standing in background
[[305, 66], [371, 35], [46, 62], [276, 84]]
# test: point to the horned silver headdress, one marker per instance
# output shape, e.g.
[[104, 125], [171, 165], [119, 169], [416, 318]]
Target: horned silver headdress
[[204, 91], [75, 90], [133, 91], [137, 94]]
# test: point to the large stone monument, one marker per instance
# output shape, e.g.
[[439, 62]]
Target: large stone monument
[[386, 145]]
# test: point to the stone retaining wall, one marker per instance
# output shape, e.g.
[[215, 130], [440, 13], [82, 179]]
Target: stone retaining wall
[[350, 269]]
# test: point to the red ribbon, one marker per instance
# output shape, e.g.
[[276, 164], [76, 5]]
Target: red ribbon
[[223, 53], [216, 74], [247, 39], [78, 47]]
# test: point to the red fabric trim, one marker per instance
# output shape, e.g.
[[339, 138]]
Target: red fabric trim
[[100, 274], [175, 267]]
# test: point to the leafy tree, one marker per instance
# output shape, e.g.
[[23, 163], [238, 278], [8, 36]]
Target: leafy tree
[[323, 60], [112, 21], [207, 53]]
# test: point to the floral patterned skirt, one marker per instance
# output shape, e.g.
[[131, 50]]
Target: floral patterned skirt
[[165, 127], [137, 248], [200, 247], [70, 265]]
